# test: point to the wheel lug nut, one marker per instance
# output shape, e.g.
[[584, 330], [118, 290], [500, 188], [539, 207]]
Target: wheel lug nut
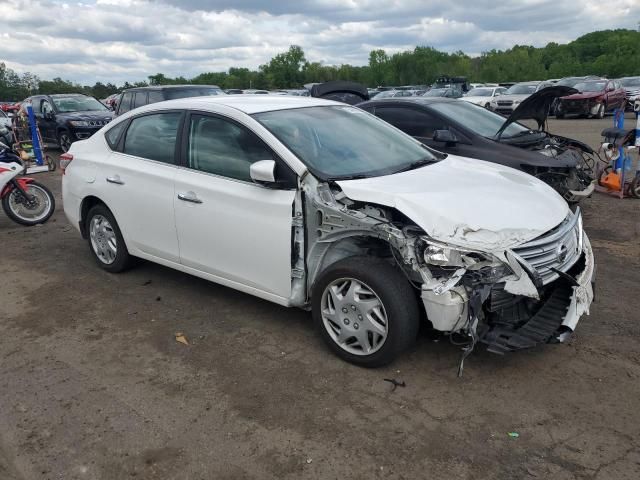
[[353, 307], [344, 310], [346, 321], [359, 317], [356, 326]]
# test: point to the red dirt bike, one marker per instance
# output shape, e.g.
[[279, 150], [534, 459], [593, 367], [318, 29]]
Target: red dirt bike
[[24, 200]]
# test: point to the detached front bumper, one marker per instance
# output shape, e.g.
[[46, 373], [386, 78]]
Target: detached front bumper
[[556, 319], [575, 196]]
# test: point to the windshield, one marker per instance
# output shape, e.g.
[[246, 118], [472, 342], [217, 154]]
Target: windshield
[[78, 104], [521, 89], [630, 82], [569, 82], [480, 92], [590, 86], [436, 92], [175, 93], [341, 142], [479, 120]]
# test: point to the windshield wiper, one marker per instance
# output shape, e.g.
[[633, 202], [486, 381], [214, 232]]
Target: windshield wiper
[[418, 163], [347, 177]]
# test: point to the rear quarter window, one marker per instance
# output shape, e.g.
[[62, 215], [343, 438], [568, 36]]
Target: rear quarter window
[[114, 133]]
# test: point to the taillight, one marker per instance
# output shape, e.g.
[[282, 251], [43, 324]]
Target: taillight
[[65, 160]]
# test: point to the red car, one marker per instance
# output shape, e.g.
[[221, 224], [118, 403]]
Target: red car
[[9, 106], [595, 98]]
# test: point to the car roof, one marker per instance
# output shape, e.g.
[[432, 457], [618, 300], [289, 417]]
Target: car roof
[[248, 104], [168, 87], [422, 101]]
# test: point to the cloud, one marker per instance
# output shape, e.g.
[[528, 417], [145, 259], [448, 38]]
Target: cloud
[[118, 40]]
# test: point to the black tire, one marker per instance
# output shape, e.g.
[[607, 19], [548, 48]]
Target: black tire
[[396, 296], [64, 140], [7, 207], [601, 110], [51, 163], [122, 259]]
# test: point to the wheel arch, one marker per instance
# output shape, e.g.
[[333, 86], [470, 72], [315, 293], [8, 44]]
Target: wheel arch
[[87, 204]]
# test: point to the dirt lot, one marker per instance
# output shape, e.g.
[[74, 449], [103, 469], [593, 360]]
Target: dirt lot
[[93, 384]]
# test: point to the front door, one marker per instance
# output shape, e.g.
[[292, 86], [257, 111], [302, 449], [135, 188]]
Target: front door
[[228, 226]]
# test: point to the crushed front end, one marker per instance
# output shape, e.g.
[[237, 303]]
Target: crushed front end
[[532, 294]]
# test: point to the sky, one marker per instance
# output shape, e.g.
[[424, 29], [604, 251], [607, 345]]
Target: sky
[[118, 40]]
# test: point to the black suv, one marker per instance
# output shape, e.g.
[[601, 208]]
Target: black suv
[[65, 118], [137, 97]]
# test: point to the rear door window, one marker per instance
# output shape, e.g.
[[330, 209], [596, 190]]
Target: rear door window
[[414, 122], [140, 99], [155, 96], [153, 137], [125, 103]]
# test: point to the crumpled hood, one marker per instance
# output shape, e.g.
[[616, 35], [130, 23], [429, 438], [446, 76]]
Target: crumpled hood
[[466, 202], [583, 95]]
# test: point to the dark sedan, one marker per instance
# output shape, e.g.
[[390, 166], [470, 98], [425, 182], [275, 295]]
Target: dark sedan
[[468, 130]]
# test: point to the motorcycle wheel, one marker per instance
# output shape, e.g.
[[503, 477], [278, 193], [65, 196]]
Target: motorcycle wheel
[[26, 212]]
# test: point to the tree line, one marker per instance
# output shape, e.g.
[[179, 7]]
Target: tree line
[[610, 53]]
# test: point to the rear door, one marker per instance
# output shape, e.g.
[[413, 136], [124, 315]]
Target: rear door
[[228, 226], [137, 181]]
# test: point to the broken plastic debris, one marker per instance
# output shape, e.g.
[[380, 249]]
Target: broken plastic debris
[[181, 338], [513, 434]]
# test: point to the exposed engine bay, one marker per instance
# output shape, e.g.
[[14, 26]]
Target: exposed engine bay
[[511, 299], [574, 175]]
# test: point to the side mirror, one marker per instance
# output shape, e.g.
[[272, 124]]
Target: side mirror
[[263, 172], [445, 136], [49, 116], [497, 94]]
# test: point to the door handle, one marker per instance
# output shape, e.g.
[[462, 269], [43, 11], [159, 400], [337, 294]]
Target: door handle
[[115, 179], [189, 197]]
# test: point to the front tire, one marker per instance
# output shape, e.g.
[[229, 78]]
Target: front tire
[[105, 240], [600, 113], [365, 311], [64, 140], [29, 212]]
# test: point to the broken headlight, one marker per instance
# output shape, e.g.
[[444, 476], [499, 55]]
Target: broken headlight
[[480, 267]]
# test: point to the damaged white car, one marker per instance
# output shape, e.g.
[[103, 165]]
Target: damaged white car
[[314, 204]]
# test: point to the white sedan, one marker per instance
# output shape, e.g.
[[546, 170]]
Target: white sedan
[[315, 204], [483, 95]]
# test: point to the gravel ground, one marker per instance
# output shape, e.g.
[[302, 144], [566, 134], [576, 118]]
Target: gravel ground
[[94, 386]]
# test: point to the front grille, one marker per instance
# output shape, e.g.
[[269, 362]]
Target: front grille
[[98, 123], [505, 103], [559, 248]]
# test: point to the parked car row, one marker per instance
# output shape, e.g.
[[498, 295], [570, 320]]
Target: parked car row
[[320, 205]]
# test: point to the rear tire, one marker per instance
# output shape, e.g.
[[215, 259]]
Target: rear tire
[[16, 208], [105, 240], [365, 310]]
